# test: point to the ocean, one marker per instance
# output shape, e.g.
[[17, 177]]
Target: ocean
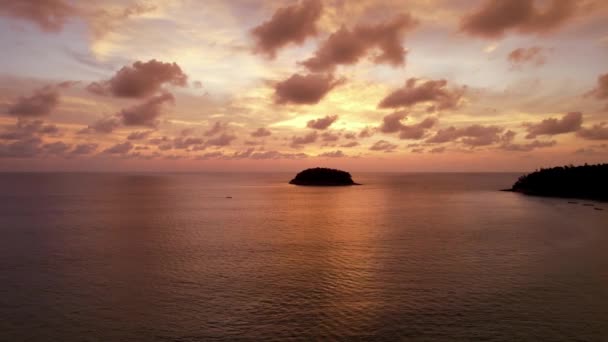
[[204, 257]]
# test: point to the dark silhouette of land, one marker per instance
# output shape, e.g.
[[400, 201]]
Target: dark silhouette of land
[[323, 177], [587, 181]]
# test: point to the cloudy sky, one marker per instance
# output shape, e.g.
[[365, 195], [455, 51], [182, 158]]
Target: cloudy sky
[[239, 85]]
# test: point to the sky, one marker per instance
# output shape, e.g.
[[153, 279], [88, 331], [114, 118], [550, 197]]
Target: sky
[[260, 85]]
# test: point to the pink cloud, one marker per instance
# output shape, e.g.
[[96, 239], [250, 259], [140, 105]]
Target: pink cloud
[[496, 17], [601, 91], [141, 80], [570, 122], [383, 145], [289, 25], [146, 113], [475, 135], [346, 47], [121, 148], [532, 55], [305, 89], [432, 91], [41, 103], [309, 138], [49, 15], [595, 132]]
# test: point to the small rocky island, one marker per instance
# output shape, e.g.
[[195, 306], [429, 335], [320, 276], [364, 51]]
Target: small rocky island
[[585, 182], [323, 177]]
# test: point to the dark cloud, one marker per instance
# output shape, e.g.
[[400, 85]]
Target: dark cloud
[[159, 140], [82, 149], [139, 135], [417, 131], [305, 89], [322, 123], [291, 24], [261, 132], [438, 149], [475, 135], [223, 139], [332, 154], [57, 148], [218, 127], [593, 150], [146, 113], [601, 91], [433, 91], [595, 132], [184, 143], [141, 80], [49, 15], [527, 147], [383, 145], [495, 17], [570, 122], [104, 125], [532, 55], [347, 46], [24, 148], [41, 103], [121, 148], [27, 129], [392, 123], [309, 138]]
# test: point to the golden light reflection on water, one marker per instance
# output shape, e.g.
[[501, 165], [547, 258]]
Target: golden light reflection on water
[[143, 256]]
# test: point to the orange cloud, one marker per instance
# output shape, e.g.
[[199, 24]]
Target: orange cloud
[[322, 123], [261, 132]]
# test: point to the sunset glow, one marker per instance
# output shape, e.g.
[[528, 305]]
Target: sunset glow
[[184, 85]]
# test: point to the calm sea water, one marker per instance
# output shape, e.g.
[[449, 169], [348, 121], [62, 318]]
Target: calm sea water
[[167, 257]]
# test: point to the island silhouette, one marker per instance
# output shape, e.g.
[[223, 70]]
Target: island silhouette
[[585, 182], [323, 177]]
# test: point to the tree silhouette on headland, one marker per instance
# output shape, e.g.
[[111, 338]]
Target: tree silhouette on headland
[[587, 181], [323, 177]]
